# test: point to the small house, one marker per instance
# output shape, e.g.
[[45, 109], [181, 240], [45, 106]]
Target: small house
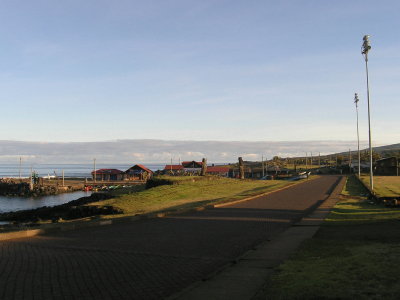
[[217, 170], [174, 169], [138, 172], [108, 175], [193, 167], [387, 166]]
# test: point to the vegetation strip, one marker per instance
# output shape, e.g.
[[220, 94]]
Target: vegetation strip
[[355, 254]]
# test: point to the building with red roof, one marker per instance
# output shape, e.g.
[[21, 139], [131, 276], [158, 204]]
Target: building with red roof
[[218, 170], [174, 169], [138, 172], [108, 175]]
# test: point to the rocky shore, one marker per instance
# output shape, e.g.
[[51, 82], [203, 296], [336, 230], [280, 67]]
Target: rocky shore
[[23, 189]]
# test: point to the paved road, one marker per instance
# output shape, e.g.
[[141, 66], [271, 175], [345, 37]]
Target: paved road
[[149, 259]]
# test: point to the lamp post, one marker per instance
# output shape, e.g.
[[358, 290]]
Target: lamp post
[[358, 135], [364, 51]]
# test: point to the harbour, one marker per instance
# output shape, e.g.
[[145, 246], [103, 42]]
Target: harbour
[[15, 203]]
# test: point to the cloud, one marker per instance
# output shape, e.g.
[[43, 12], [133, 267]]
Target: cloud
[[161, 151]]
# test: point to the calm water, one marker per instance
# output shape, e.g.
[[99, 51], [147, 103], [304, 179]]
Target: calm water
[[70, 170], [20, 203]]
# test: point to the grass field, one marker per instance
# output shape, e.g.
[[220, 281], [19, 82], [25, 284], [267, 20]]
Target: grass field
[[186, 193], [385, 186], [354, 255]]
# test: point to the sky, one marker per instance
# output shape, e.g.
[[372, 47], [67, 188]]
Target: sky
[[162, 151], [183, 70]]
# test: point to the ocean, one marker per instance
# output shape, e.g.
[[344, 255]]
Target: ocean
[[70, 170]]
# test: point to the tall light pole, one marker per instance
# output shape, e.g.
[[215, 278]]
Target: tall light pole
[[364, 51], [358, 135]]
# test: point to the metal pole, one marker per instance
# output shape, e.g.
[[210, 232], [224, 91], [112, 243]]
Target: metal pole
[[262, 165], [20, 163], [358, 136], [94, 167], [371, 175], [366, 47]]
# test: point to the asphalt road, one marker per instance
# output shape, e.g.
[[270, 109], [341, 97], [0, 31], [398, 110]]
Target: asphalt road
[[149, 259]]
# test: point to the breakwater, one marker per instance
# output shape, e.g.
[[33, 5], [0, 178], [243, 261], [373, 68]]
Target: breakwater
[[23, 189]]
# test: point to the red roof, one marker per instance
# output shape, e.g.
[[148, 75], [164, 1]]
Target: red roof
[[108, 171], [144, 168], [173, 167], [217, 169]]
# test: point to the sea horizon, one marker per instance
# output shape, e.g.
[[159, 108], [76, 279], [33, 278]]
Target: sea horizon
[[76, 170]]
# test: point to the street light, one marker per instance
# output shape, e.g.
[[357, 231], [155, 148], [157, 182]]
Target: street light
[[358, 135], [364, 51]]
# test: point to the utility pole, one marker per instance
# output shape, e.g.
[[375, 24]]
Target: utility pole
[[20, 164], [94, 169], [63, 177], [262, 165]]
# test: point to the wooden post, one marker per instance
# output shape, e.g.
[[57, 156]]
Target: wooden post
[[241, 168], [204, 167]]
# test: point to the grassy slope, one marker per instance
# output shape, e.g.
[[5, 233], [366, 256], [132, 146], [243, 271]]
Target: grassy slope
[[185, 193], [355, 254], [385, 186]]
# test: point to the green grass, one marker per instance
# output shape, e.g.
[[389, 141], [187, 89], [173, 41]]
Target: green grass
[[385, 186], [354, 255], [188, 192]]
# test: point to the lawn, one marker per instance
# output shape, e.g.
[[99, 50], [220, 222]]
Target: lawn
[[354, 255], [188, 192], [385, 186]]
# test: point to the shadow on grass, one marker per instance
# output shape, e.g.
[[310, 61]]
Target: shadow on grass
[[354, 188]]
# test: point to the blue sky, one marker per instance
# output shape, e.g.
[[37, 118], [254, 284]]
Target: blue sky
[[197, 70]]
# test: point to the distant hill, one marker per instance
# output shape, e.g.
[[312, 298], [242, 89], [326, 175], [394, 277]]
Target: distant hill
[[387, 149]]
